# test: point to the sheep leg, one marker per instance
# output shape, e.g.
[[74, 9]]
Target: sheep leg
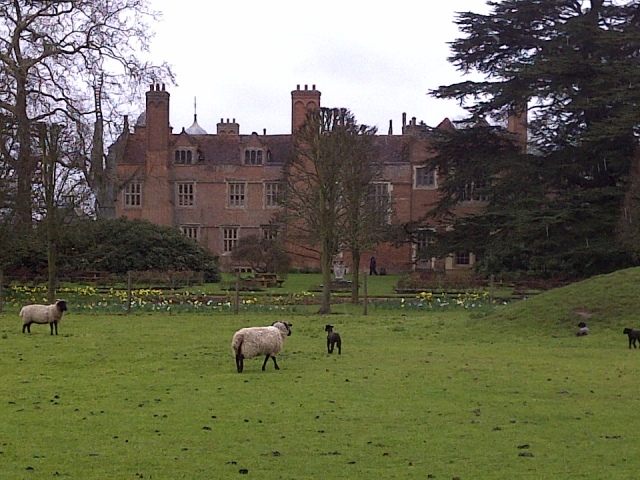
[[52, 324], [266, 359], [27, 326], [339, 348], [240, 362], [329, 347]]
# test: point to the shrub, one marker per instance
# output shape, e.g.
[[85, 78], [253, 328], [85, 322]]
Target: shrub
[[114, 246]]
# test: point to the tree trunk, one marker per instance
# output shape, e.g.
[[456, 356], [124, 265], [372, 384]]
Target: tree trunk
[[355, 276], [325, 265], [52, 262], [49, 148], [25, 162]]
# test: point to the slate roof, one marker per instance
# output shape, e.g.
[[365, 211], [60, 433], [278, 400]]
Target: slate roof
[[228, 149]]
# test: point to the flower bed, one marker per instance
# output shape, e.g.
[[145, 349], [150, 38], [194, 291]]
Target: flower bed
[[112, 300]]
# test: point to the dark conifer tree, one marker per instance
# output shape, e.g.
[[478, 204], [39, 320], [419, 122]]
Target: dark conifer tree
[[556, 209]]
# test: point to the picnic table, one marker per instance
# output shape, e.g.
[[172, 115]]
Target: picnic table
[[263, 280], [268, 280]]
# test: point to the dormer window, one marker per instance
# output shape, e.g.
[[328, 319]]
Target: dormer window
[[253, 156], [184, 156]]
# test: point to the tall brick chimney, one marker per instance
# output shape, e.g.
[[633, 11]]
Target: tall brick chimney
[[301, 102], [157, 191], [518, 124], [157, 119]]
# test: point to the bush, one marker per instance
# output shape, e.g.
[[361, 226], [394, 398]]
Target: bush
[[116, 246]]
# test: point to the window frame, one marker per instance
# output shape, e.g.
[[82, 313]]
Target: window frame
[[424, 238], [377, 198], [272, 198], [184, 156], [185, 199], [191, 231], [236, 199], [254, 157], [462, 259], [269, 232], [419, 177], [132, 199], [467, 193], [230, 236]]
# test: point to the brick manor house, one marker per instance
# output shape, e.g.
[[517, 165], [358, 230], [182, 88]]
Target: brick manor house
[[217, 188]]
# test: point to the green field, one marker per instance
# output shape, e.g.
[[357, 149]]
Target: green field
[[415, 394]]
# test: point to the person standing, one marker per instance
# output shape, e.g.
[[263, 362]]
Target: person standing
[[372, 266]]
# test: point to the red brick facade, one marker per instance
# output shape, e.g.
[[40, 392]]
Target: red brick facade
[[220, 187]]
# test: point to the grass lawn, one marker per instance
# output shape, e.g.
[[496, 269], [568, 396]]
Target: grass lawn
[[377, 285], [415, 394]]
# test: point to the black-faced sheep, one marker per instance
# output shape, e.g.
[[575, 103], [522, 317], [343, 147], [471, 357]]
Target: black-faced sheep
[[333, 339], [634, 336], [584, 330], [42, 314], [254, 341]]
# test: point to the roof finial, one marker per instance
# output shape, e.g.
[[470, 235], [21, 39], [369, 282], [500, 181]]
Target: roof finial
[[195, 129], [195, 112]]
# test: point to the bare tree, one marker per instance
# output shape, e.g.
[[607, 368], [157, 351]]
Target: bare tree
[[49, 53], [365, 200], [50, 150], [264, 255], [327, 189], [312, 191], [60, 194]]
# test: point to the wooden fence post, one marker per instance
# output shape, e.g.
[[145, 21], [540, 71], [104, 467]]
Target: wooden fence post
[[129, 282], [236, 300], [365, 293], [491, 290]]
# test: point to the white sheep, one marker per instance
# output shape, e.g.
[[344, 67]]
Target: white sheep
[[254, 341], [42, 314]]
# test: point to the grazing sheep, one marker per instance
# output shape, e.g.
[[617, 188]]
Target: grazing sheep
[[333, 339], [254, 341], [51, 314], [634, 336], [584, 330]]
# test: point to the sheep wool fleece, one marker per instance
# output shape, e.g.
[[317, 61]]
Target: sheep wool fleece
[[43, 314], [256, 341]]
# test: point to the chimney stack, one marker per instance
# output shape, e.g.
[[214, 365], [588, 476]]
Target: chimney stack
[[301, 102]]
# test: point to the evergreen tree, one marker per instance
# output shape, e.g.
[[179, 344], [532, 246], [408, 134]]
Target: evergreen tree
[[555, 209]]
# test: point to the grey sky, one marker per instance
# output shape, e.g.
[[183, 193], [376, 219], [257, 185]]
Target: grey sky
[[241, 59]]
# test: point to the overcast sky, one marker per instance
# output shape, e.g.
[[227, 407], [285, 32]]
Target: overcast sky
[[241, 59]]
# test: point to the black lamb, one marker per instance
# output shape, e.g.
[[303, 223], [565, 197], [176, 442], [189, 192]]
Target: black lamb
[[333, 339], [634, 336]]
